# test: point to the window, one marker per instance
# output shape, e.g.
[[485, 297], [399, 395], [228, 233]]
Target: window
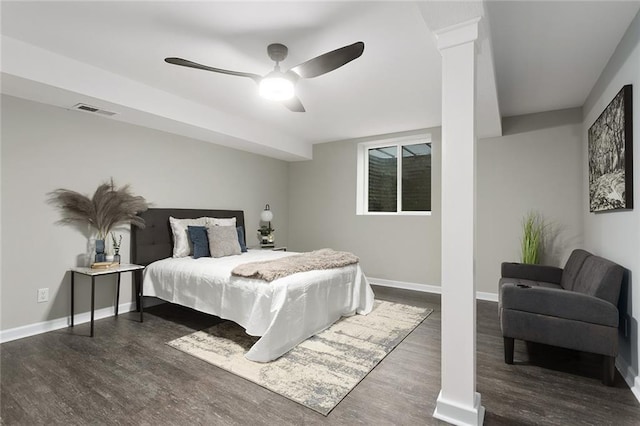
[[394, 176]]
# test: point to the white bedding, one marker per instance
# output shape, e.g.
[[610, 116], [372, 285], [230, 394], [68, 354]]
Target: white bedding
[[283, 312]]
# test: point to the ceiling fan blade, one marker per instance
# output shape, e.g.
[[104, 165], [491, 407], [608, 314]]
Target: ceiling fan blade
[[190, 64], [294, 104], [329, 61]]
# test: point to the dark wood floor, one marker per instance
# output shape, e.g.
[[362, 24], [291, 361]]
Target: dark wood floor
[[127, 375]]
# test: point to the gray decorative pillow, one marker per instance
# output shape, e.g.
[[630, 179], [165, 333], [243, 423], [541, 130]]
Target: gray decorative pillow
[[221, 221], [223, 241]]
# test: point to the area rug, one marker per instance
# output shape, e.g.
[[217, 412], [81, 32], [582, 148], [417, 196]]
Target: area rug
[[321, 371]]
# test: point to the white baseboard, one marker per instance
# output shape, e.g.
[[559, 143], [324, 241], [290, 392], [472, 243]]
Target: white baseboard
[[630, 376], [426, 288], [489, 297], [58, 323]]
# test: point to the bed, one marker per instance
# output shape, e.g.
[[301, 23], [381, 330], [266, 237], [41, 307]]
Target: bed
[[283, 313]]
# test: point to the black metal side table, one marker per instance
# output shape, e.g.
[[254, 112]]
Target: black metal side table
[[93, 273]]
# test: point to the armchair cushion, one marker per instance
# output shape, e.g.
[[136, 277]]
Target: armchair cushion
[[601, 278], [578, 335], [559, 303], [572, 268], [530, 283]]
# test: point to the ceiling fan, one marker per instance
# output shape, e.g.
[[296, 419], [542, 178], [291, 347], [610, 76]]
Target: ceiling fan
[[280, 86]]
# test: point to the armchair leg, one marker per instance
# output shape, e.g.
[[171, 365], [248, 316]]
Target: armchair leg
[[508, 350], [608, 369]]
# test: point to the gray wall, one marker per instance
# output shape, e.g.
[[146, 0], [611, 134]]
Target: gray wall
[[535, 166], [44, 148], [616, 235], [322, 213]]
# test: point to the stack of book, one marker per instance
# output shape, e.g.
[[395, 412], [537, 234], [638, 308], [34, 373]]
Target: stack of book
[[103, 265]]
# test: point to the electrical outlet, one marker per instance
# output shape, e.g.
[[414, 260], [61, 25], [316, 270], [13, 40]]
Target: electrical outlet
[[43, 295]]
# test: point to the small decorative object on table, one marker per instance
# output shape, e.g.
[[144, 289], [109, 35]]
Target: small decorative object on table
[[100, 255], [109, 207], [116, 247], [265, 233]]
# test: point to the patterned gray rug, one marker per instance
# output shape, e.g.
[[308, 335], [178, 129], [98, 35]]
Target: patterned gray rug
[[321, 371]]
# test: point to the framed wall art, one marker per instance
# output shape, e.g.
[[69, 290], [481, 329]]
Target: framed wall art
[[611, 156]]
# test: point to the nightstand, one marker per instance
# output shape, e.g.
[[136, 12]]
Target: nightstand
[[274, 248], [93, 273]]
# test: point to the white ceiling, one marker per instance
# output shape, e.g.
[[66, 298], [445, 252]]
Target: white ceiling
[[549, 54], [110, 54]]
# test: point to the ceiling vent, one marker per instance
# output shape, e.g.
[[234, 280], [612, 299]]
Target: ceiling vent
[[93, 110]]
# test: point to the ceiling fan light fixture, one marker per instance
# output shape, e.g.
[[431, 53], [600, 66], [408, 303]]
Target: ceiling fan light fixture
[[279, 86], [276, 87]]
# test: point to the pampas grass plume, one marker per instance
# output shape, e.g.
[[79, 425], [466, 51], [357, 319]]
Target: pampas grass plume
[[109, 207]]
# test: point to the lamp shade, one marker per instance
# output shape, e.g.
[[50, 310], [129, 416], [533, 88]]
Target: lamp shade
[[266, 215]]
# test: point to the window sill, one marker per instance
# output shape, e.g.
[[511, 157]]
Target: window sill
[[394, 214]]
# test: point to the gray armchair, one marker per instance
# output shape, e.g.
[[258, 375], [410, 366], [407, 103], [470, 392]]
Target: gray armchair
[[574, 307]]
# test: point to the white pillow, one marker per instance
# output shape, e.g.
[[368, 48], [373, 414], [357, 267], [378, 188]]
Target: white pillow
[[223, 241], [221, 222], [182, 246]]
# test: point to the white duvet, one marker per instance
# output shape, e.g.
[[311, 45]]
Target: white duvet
[[283, 312]]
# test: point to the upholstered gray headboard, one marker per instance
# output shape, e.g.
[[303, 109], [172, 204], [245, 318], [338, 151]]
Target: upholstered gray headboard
[[155, 240]]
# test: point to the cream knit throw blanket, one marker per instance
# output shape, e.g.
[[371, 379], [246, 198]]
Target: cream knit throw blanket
[[270, 270]]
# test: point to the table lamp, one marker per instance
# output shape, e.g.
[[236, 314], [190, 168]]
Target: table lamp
[[266, 232]]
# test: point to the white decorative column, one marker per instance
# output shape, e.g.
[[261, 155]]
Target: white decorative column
[[458, 402]]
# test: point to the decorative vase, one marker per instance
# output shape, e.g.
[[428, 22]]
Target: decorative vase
[[100, 256], [116, 258]]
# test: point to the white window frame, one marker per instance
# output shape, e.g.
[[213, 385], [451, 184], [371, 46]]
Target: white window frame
[[362, 180]]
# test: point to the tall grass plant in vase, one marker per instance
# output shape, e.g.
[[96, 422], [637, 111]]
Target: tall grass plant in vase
[[533, 233], [109, 207]]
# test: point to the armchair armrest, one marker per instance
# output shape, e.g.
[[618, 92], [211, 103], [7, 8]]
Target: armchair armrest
[[559, 303], [549, 274]]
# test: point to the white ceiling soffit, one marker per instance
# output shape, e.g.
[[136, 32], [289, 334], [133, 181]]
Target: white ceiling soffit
[[110, 55], [549, 54], [33, 73], [439, 15]]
